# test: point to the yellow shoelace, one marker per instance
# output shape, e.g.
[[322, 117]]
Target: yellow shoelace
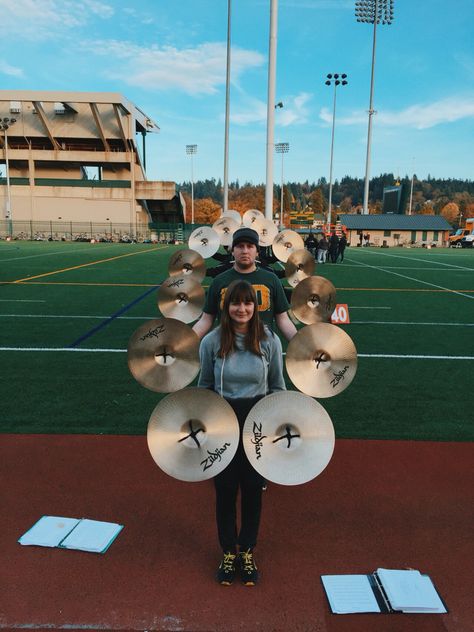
[[247, 557], [228, 562]]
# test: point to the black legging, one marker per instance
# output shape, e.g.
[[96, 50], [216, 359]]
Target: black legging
[[239, 473]]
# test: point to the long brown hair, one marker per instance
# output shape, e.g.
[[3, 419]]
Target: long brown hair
[[237, 291]]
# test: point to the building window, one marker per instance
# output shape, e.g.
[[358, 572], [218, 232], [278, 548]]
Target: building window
[[424, 236], [435, 235], [413, 236], [387, 233]]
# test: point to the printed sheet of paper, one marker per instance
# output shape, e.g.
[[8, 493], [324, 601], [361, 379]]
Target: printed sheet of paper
[[410, 591], [349, 594], [92, 535], [48, 531]]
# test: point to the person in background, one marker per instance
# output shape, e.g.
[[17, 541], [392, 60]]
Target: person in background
[[322, 249], [310, 244], [242, 361], [341, 247], [272, 302], [333, 246]]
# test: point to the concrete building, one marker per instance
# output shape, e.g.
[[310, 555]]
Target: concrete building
[[396, 230], [74, 157]]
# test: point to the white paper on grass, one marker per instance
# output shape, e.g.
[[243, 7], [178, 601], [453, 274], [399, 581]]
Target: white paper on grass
[[350, 594], [410, 591], [48, 531], [91, 535]]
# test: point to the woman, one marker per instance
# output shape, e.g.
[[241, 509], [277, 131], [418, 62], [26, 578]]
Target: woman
[[242, 361]]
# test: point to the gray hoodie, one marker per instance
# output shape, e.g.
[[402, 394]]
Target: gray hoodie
[[242, 373]]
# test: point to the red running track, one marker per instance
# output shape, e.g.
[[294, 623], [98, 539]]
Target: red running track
[[393, 504]]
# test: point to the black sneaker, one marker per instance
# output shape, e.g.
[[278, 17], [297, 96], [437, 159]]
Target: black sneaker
[[248, 568], [226, 571]]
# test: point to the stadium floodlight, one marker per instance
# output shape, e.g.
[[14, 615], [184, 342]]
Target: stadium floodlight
[[282, 148], [191, 150], [5, 125], [372, 12], [333, 79]]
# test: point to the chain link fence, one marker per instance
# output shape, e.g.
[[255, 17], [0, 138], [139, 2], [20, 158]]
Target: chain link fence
[[98, 231]]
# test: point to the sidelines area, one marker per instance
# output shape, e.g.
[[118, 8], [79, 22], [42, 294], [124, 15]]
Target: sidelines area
[[414, 349]]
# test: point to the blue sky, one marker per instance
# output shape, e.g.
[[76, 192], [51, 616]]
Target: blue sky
[[168, 57]]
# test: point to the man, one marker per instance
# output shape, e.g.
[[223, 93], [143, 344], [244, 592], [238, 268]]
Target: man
[[311, 244], [333, 246], [272, 302], [322, 250], [342, 247]]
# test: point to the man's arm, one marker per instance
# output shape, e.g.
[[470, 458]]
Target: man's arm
[[204, 324], [284, 325]]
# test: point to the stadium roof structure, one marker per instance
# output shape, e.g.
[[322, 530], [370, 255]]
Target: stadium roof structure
[[394, 222], [68, 99]]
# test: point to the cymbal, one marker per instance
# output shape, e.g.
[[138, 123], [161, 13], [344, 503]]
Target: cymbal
[[250, 216], [266, 229], [313, 300], [187, 263], [163, 355], [321, 360], [193, 434], [181, 298], [299, 265], [235, 215], [285, 243], [225, 228], [288, 438], [205, 241]]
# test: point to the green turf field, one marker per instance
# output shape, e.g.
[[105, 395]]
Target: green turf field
[[412, 319]]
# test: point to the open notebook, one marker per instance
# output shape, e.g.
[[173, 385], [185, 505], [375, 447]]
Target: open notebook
[[385, 590], [82, 534]]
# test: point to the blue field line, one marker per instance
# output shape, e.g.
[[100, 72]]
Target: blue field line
[[108, 320]]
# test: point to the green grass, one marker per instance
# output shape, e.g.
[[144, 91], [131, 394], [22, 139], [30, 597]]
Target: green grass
[[93, 392]]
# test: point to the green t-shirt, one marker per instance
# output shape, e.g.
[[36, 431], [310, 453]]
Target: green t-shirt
[[270, 295]]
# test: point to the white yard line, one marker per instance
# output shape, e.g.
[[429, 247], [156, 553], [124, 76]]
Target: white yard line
[[70, 317], [55, 252], [413, 324], [415, 268], [360, 355], [441, 263], [404, 276], [368, 307]]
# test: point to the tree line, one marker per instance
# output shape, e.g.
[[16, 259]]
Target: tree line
[[452, 198]]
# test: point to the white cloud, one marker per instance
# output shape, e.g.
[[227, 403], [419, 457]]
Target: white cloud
[[418, 116], [198, 70], [12, 71], [294, 111], [101, 9], [42, 20]]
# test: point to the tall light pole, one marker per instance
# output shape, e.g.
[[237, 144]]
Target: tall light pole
[[372, 12], [5, 123], [271, 108], [227, 106], [336, 81], [191, 150], [282, 148]]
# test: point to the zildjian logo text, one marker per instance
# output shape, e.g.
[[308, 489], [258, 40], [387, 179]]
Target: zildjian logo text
[[214, 456], [257, 439], [178, 257], [154, 333], [338, 376], [176, 283]]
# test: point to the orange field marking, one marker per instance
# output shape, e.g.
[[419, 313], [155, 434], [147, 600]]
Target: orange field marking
[[84, 265]]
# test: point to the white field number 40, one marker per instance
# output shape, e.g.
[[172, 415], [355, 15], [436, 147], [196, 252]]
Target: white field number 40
[[340, 315]]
